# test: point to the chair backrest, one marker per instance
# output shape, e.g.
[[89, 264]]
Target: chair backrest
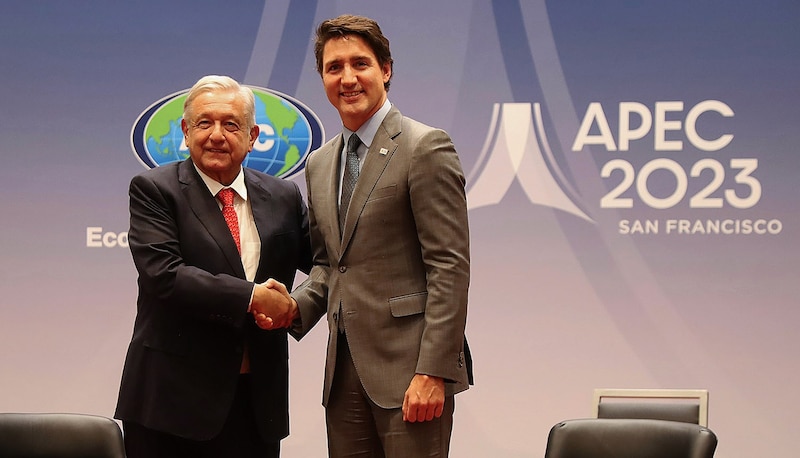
[[690, 406], [629, 438], [59, 435]]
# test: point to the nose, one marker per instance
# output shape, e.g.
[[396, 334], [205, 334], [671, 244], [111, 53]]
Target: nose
[[217, 132], [348, 75]]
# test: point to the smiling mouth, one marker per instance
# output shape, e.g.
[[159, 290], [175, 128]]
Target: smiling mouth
[[350, 94]]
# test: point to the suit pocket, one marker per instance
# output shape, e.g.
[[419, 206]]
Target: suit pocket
[[408, 304], [381, 193], [174, 344]]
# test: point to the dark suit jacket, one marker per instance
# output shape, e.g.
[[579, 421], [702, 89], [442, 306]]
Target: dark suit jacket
[[400, 268], [183, 362]]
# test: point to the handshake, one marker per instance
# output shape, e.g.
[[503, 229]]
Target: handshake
[[272, 307]]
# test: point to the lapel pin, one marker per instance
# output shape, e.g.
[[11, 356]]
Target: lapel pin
[[383, 151]]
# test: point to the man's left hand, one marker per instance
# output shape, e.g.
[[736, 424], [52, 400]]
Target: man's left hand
[[424, 399]]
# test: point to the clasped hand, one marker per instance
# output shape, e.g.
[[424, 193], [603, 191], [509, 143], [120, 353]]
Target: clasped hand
[[272, 306]]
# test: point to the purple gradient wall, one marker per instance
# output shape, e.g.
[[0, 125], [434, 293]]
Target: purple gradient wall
[[580, 280]]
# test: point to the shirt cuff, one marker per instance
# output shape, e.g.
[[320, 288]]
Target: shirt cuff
[[252, 294]]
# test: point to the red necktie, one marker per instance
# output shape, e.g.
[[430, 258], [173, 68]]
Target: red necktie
[[225, 195]]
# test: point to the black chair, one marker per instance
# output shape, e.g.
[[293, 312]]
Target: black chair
[[690, 406], [629, 438], [59, 435]]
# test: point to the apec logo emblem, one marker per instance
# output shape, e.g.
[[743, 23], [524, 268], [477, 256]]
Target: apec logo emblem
[[289, 131]]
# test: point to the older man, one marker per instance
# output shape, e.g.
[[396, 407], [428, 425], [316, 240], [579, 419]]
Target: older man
[[200, 378]]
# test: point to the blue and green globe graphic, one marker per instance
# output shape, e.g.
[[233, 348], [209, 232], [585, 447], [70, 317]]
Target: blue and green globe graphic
[[289, 131]]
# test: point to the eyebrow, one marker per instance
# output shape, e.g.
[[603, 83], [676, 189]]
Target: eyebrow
[[350, 59]]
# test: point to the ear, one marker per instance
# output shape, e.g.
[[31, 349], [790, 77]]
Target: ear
[[254, 131], [387, 72]]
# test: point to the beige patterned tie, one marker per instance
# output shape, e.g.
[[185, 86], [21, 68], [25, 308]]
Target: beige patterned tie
[[225, 196]]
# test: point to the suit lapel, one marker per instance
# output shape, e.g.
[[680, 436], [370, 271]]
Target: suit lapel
[[332, 162], [205, 207], [263, 213], [380, 153]]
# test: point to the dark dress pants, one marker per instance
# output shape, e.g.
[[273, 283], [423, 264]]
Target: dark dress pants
[[238, 438], [357, 427]]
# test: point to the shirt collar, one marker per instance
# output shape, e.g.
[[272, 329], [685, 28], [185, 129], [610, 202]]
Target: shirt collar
[[366, 133], [214, 186]]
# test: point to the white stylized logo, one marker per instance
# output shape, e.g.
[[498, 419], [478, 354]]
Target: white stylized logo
[[515, 149]]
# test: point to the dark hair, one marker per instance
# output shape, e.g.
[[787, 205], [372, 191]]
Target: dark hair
[[364, 27]]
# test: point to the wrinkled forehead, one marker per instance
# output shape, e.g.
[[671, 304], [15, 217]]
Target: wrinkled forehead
[[227, 104]]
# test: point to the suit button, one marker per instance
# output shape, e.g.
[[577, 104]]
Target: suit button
[[342, 269]]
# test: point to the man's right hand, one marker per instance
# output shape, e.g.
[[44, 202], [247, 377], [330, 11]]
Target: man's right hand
[[272, 306]]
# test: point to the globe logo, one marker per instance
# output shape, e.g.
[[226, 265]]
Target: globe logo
[[289, 131]]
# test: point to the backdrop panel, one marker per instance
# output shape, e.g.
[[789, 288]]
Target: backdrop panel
[[631, 181]]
